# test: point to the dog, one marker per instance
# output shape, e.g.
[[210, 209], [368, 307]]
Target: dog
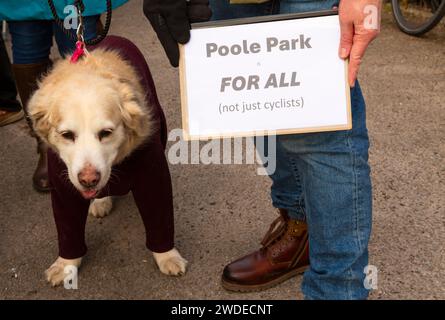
[[107, 133]]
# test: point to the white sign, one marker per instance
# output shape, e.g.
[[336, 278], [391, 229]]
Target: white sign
[[281, 76]]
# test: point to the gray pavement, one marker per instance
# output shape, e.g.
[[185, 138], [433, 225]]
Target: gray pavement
[[222, 212]]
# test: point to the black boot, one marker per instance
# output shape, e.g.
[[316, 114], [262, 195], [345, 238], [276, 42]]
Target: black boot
[[26, 76]]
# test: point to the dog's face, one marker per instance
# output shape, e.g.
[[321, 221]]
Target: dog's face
[[92, 122], [88, 136]]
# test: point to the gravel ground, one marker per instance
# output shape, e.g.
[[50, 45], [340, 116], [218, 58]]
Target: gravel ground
[[223, 211]]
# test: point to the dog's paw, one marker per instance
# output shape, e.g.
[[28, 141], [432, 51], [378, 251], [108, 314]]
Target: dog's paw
[[101, 207], [55, 274], [171, 263]]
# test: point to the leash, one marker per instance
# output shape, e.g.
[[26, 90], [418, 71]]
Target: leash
[[80, 41]]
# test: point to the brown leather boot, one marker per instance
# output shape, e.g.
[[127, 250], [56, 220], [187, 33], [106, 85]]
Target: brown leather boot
[[285, 253], [26, 76]]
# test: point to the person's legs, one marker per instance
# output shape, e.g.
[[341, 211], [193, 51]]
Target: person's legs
[[286, 191], [337, 191], [8, 91], [10, 108], [31, 41], [31, 46], [66, 44]]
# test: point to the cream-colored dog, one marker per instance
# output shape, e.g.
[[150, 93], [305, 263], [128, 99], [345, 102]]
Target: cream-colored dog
[[93, 114]]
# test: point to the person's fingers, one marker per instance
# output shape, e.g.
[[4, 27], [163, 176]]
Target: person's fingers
[[360, 43], [346, 29], [346, 37], [359, 25], [354, 65], [362, 38], [172, 50]]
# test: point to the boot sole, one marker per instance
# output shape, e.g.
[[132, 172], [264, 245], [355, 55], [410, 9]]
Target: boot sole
[[230, 286], [16, 117]]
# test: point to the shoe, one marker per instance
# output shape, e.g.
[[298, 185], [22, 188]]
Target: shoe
[[284, 254], [8, 117], [26, 76]]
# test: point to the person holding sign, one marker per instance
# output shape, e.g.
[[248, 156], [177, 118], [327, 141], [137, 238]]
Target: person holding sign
[[321, 186]]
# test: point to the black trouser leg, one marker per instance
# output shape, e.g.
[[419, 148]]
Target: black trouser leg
[[8, 91]]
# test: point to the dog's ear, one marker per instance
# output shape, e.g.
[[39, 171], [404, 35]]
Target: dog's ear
[[135, 116], [40, 113]]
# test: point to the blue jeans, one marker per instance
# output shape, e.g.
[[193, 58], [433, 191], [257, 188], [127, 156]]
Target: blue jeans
[[325, 179], [32, 40]]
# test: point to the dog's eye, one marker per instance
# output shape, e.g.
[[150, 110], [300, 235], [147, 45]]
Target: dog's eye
[[68, 135], [104, 133]]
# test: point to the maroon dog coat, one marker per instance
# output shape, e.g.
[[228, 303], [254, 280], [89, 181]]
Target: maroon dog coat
[[144, 172]]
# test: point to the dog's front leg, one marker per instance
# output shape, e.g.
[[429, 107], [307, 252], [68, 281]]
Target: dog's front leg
[[57, 272], [171, 262]]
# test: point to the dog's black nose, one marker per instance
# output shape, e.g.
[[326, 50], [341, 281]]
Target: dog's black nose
[[89, 179]]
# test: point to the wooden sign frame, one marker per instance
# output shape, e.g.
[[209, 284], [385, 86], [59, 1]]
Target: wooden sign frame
[[251, 20]]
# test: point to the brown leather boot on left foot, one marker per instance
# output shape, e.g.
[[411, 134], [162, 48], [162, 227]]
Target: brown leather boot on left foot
[[26, 76], [285, 253]]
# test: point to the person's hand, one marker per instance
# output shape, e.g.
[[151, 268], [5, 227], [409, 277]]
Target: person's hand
[[359, 24], [171, 19]]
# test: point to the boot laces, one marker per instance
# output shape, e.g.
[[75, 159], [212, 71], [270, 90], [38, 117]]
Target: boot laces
[[278, 230]]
